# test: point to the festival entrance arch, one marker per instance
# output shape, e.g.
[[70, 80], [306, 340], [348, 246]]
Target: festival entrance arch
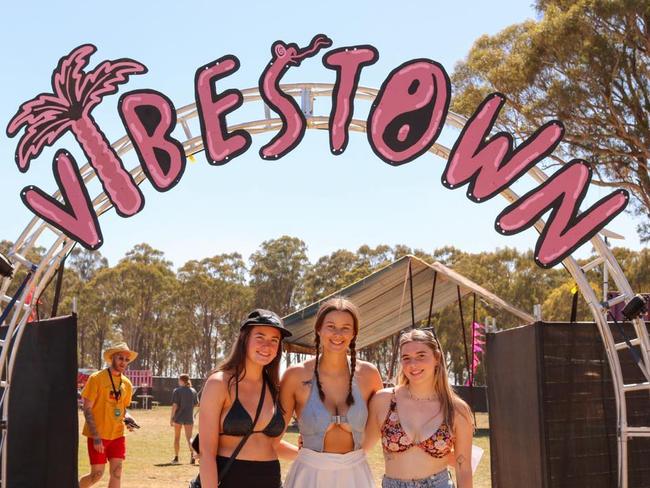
[[16, 310]]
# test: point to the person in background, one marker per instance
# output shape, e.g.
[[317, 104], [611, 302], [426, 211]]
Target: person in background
[[105, 398], [182, 417]]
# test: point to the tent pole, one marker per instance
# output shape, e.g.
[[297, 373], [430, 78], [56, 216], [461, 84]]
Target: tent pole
[[433, 294], [412, 297], [471, 377], [393, 356], [462, 326]]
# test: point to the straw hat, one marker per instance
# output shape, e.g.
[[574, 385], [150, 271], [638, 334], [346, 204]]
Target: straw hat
[[119, 347]]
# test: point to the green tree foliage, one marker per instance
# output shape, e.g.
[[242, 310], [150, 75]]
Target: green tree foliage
[[213, 297], [186, 320], [277, 270], [585, 62], [98, 305], [86, 263]]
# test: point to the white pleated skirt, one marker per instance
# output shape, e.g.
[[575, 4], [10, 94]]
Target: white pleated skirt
[[313, 469]]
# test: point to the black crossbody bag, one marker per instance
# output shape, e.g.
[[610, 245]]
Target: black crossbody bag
[[196, 482]]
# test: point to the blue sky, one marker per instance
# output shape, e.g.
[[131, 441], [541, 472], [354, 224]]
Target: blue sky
[[330, 202]]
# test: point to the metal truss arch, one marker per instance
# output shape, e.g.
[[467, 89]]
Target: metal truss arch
[[37, 231]]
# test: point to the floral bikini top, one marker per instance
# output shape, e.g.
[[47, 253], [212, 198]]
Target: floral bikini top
[[394, 439]]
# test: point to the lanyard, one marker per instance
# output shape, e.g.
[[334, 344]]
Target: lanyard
[[116, 393]]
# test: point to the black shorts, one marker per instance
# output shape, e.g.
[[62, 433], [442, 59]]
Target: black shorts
[[250, 474], [184, 421]]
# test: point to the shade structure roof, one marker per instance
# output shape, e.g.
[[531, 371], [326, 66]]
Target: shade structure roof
[[384, 300]]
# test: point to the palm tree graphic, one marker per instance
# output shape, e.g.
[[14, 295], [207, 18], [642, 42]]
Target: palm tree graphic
[[75, 93]]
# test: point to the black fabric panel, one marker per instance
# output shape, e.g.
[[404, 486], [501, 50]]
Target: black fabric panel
[[513, 398], [43, 424], [475, 396], [576, 418]]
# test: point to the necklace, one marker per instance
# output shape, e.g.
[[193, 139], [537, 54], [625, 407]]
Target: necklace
[[426, 399], [116, 392]]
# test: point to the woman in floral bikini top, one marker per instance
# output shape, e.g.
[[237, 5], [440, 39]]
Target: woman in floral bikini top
[[423, 425], [394, 439]]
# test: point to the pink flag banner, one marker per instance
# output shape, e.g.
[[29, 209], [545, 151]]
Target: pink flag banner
[[478, 341]]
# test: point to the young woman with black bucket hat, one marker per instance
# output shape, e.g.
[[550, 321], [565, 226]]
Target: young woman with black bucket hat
[[241, 421]]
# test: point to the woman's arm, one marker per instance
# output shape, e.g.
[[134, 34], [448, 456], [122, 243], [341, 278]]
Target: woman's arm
[[173, 414], [372, 433], [286, 450], [375, 380], [213, 398], [288, 393], [463, 432]]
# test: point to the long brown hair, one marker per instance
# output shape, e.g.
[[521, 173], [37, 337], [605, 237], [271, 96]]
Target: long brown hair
[[449, 400], [338, 304], [235, 363]]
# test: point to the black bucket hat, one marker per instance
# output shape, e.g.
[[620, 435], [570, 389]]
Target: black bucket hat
[[259, 316]]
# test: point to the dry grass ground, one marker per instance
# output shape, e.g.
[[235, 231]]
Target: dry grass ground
[[149, 451]]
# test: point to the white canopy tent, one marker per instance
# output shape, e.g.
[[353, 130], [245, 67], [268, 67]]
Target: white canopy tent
[[384, 300]]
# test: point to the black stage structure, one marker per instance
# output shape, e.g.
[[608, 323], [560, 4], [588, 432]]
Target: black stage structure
[[552, 409], [43, 427]]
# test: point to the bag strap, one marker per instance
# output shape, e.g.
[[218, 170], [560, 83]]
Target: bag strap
[[231, 460]]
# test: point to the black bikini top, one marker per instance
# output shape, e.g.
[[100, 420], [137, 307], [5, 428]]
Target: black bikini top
[[238, 421]]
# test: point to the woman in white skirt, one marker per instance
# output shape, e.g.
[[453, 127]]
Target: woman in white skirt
[[423, 425], [329, 395]]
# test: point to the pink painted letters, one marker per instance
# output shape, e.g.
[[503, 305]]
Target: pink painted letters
[[565, 229], [293, 120], [149, 118], [409, 111], [75, 216], [75, 94], [404, 121], [348, 62], [220, 146], [491, 164]]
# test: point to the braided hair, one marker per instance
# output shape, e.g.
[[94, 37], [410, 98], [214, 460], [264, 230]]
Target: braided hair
[[339, 304]]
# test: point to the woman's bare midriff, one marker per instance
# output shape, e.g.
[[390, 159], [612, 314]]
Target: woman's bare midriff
[[338, 440], [258, 447], [413, 463]]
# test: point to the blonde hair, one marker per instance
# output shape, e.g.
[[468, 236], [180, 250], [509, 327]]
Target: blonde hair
[[450, 402]]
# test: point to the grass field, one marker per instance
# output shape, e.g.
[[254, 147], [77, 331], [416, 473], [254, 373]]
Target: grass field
[[150, 449]]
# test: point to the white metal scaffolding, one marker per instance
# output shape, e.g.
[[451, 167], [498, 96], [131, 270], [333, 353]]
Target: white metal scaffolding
[[38, 231]]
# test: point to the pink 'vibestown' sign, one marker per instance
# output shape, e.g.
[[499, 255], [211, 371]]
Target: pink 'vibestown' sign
[[404, 121]]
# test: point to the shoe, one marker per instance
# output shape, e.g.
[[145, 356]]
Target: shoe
[[192, 461], [175, 460]]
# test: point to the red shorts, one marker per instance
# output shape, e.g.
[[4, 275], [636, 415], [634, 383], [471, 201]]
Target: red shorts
[[113, 449]]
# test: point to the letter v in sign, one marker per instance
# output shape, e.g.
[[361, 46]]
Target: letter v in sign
[[75, 216]]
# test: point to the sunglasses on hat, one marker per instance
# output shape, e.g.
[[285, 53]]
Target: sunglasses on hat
[[260, 316]]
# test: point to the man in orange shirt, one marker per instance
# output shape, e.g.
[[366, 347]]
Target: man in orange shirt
[[105, 398]]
